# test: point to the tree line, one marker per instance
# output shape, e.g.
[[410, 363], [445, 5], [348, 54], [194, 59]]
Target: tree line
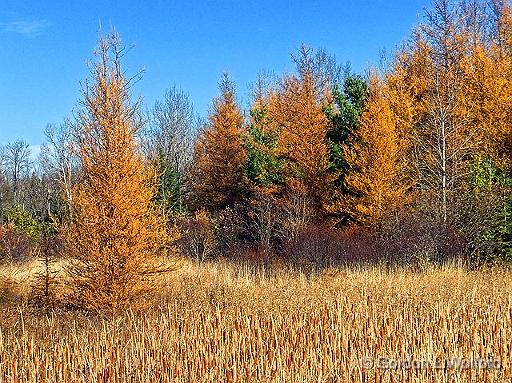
[[410, 162]]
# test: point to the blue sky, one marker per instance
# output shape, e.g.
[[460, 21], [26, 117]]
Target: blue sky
[[45, 46]]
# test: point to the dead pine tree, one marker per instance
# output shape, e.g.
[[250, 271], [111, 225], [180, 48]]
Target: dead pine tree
[[116, 239]]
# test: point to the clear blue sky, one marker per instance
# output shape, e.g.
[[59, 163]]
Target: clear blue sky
[[45, 46]]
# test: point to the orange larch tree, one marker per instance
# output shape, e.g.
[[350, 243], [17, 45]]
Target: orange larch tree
[[375, 158], [487, 87], [217, 176], [302, 125], [115, 238]]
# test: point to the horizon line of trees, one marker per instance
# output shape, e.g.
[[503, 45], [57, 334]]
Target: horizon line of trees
[[411, 162]]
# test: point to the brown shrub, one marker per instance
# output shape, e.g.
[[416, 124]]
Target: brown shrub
[[322, 246], [198, 240], [15, 246]]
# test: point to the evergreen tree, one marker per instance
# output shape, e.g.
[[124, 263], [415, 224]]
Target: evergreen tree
[[344, 114], [263, 166]]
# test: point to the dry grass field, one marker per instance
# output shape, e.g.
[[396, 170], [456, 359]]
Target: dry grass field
[[219, 322]]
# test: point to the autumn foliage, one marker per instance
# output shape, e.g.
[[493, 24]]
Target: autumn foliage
[[115, 238], [487, 90], [413, 159], [343, 227], [302, 127], [217, 175], [343, 149], [375, 156]]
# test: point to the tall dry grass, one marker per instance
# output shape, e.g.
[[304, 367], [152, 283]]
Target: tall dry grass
[[225, 323]]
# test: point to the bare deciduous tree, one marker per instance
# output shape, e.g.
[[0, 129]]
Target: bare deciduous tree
[[319, 65], [444, 139], [57, 157], [173, 128], [17, 163], [169, 143]]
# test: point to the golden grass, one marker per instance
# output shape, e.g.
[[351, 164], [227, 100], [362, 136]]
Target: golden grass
[[223, 323]]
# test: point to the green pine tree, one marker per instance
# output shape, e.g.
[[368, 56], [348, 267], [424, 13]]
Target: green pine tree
[[344, 114], [263, 167]]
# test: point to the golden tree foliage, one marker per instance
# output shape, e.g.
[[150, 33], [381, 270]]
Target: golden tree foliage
[[409, 75], [302, 126], [487, 91], [453, 83], [443, 137], [505, 55], [406, 106], [218, 176], [375, 156], [114, 236], [488, 101]]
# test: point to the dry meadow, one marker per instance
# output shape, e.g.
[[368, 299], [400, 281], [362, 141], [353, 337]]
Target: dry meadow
[[220, 322]]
